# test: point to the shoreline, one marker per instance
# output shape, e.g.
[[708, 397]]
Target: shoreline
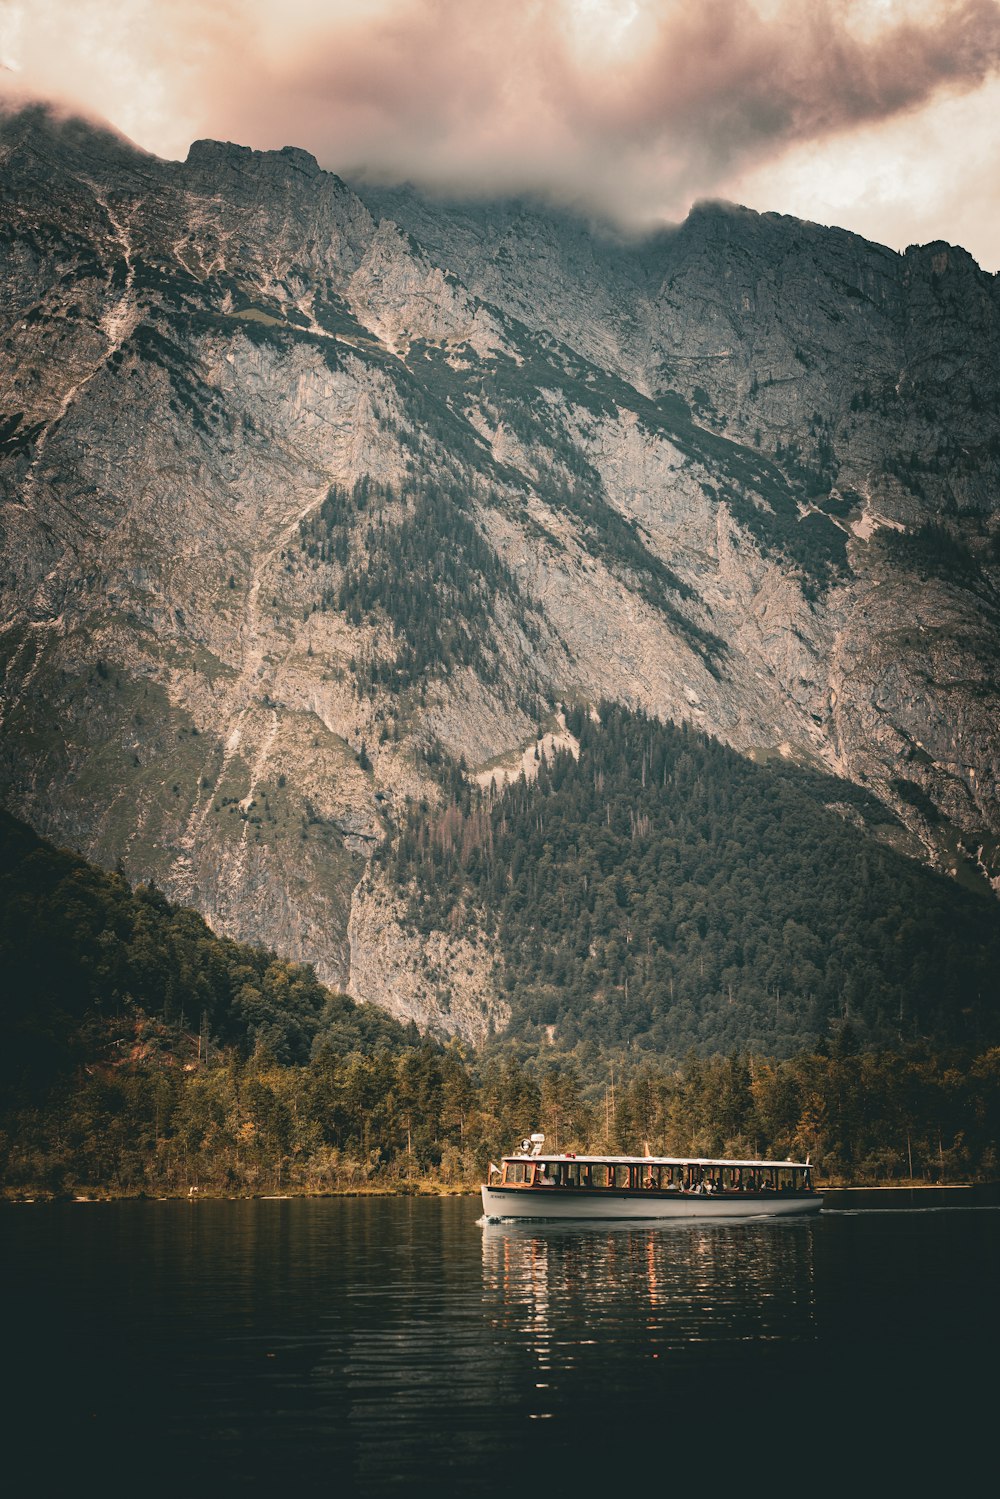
[[212, 1194], [27, 1196]]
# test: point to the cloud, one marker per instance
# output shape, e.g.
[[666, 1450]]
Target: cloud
[[908, 181], [630, 106]]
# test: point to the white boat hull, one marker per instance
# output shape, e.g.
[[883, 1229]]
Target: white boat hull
[[502, 1203]]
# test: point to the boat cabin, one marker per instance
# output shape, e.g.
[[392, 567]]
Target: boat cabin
[[655, 1174]]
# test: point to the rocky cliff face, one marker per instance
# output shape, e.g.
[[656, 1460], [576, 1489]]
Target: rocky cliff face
[[305, 486]]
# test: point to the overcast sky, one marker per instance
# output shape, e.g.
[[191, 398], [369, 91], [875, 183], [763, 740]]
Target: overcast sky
[[879, 115]]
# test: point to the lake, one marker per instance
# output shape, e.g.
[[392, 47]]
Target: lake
[[379, 1346]]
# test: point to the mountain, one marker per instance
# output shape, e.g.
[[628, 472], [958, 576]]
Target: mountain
[[321, 503]]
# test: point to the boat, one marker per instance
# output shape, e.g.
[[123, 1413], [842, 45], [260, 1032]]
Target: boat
[[531, 1184]]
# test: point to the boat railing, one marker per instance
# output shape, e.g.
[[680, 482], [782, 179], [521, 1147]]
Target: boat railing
[[685, 1178]]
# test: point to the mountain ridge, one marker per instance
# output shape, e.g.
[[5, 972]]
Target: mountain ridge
[[753, 488]]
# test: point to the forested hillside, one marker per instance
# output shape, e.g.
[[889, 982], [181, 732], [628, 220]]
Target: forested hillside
[[96, 970], [144, 1055], [663, 893]]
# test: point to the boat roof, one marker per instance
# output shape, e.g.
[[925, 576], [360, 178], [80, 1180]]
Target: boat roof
[[653, 1160]]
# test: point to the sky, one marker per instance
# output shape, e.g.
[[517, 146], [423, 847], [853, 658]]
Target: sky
[[882, 116]]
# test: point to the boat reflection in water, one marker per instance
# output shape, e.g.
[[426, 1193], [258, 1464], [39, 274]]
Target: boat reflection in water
[[647, 1313]]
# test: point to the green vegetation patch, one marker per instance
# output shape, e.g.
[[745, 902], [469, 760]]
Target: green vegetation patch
[[932, 551], [139, 1054], [81, 947], [414, 559], [662, 893]]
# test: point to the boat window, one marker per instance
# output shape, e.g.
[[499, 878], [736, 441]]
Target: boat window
[[599, 1174]]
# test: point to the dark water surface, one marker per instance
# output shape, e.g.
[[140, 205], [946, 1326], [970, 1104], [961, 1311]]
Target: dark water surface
[[397, 1346]]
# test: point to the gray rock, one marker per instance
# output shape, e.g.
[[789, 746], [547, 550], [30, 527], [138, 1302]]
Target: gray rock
[[742, 473]]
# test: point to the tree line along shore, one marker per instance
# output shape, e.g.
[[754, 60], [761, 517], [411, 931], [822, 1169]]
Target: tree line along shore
[[426, 1118], [142, 1055]]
